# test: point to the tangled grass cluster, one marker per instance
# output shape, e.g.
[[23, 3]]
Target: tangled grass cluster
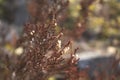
[[43, 55]]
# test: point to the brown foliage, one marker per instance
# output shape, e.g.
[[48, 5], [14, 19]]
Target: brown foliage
[[42, 56]]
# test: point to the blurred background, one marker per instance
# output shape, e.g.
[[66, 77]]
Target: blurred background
[[92, 25]]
